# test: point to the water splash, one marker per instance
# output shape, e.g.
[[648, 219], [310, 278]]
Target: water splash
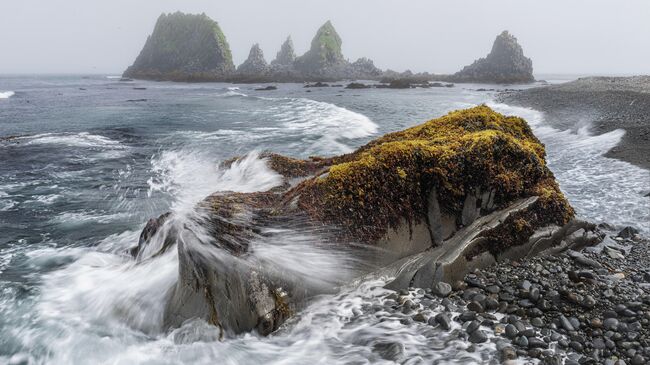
[[190, 176]]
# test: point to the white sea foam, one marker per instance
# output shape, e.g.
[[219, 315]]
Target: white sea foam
[[124, 301], [330, 124], [334, 329], [6, 205], [72, 219], [190, 176], [232, 93], [6, 94], [315, 127], [83, 139], [221, 134], [44, 199]]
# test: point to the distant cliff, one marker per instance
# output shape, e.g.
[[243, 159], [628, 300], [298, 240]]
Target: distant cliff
[[192, 48], [505, 64], [184, 47]]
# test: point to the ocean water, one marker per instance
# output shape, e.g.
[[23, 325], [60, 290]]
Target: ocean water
[[86, 161]]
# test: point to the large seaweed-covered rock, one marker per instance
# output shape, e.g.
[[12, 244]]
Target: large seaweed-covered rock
[[430, 203], [184, 47], [504, 64], [467, 152]]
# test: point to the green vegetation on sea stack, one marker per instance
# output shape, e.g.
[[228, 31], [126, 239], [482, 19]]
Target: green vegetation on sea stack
[[184, 47], [389, 179], [325, 49]]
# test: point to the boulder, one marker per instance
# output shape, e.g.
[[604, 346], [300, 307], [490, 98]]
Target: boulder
[[505, 64], [184, 47], [424, 205]]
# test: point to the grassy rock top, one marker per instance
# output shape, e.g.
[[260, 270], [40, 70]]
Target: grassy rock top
[[327, 42], [389, 180], [325, 50], [183, 46]]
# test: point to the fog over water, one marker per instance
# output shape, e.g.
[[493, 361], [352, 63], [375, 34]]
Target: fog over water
[[579, 36]]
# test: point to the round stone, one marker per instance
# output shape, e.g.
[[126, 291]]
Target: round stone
[[511, 331], [441, 289], [610, 324], [475, 306], [477, 336]]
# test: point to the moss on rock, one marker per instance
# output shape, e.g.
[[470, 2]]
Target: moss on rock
[[388, 180]]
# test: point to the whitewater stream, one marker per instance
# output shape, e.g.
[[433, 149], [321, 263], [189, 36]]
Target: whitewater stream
[[86, 161]]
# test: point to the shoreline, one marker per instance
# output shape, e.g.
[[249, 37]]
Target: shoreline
[[576, 306], [602, 104]]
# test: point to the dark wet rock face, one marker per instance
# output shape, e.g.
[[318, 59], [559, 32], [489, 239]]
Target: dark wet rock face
[[255, 64], [184, 47], [505, 64]]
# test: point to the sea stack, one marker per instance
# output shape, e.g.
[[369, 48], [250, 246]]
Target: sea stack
[[325, 51], [184, 47], [255, 64], [506, 64], [286, 55]]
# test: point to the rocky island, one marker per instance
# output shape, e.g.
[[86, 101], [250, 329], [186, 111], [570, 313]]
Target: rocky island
[[184, 47], [193, 48], [505, 64]]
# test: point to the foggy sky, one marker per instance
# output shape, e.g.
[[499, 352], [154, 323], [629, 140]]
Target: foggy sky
[[561, 36]]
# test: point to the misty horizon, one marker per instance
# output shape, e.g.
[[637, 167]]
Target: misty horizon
[[580, 38]]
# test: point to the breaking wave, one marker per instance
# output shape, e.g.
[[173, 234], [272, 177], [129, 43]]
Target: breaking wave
[[232, 93], [6, 94], [190, 176], [83, 139]]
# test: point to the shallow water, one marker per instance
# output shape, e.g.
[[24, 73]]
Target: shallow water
[[90, 163]]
